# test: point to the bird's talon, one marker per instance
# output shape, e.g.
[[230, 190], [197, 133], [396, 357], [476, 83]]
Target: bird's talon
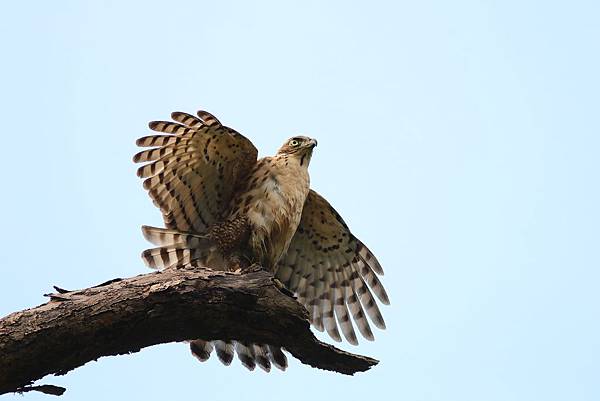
[[281, 287], [254, 267]]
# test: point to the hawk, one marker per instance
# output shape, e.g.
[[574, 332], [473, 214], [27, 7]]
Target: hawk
[[225, 209]]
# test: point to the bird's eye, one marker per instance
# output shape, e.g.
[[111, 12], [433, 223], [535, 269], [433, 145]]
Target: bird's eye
[[294, 142]]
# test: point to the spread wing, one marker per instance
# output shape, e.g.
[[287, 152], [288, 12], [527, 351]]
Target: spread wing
[[333, 274], [193, 168]]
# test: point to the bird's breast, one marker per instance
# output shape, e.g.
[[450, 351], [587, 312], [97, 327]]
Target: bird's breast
[[273, 207]]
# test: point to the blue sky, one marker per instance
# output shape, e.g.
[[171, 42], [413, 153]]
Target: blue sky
[[459, 140]]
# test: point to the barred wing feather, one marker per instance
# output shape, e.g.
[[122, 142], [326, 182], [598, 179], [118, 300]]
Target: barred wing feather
[[193, 168], [333, 273]]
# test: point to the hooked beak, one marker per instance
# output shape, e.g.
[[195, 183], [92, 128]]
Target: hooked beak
[[312, 143]]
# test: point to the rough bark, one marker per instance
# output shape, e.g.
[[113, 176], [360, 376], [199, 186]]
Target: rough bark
[[124, 315]]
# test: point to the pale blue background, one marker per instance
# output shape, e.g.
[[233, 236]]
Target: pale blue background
[[458, 139]]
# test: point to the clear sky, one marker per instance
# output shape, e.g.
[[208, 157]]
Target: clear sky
[[459, 140]]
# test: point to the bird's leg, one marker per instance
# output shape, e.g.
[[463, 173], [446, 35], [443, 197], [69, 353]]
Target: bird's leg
[[242, 264], [235, 263], [254, 267], [257, 267], [247, 264]]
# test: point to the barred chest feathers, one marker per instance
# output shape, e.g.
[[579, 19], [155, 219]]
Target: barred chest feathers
[[275, 206]]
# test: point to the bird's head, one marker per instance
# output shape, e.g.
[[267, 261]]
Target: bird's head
[[300, 147]]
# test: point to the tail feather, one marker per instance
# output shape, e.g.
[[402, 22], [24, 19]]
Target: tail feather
[[175, 248], [246, 355], [278, 357], [160, 258], [167, 237], [250, 355], [261, 356], [201, 349], [225, 351]]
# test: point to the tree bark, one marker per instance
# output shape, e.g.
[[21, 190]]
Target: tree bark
[[124, 315]]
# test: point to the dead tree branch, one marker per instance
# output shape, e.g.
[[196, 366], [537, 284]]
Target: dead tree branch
[[124, 315]]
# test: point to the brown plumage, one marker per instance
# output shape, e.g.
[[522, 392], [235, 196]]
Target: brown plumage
[[226, 210]]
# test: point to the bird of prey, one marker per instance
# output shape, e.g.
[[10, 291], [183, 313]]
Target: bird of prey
[[226, 210]]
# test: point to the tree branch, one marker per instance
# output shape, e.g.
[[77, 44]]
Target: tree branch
[[124, 315]]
